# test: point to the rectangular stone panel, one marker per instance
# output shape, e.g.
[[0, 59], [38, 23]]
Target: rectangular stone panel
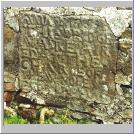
[[65, 57]]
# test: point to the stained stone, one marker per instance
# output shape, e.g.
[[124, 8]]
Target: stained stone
[[70, 59], [65, 57]]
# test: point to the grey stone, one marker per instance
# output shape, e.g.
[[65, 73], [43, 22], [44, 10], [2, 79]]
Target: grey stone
[[71, 59], [56, 58], [76, 116]]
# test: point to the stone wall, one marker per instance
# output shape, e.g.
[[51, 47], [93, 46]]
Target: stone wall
[[75, 58]]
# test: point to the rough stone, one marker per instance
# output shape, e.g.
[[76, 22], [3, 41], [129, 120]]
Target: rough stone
[[118, 20], [27, 113], [71, 59], [76, 116], [8, 98], [8, 77], [9, 111], [9, 86], [123, 79], [124, 65], [11, 63], [62, 62]]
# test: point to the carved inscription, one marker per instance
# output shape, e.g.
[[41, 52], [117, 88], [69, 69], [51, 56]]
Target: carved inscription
[[65, 55]]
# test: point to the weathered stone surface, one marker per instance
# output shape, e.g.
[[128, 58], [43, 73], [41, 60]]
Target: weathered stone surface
[[9, 111], [9, 86], [65, 57], [27, 113], [71, 60], [8, 77], [8, 98], [10, 51], [117, 19], [125, 53]]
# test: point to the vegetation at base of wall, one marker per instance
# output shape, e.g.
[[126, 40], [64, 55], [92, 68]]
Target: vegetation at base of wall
[[59, 119], [14, 120]]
